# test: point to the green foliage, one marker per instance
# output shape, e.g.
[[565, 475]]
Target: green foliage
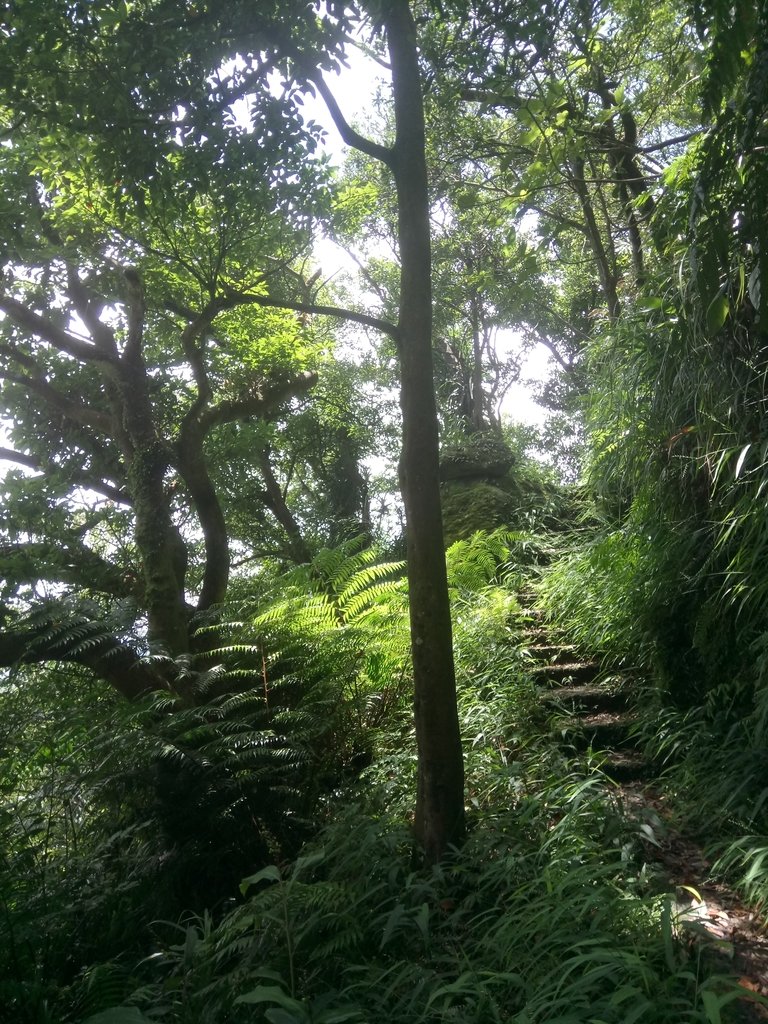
[[189, 796], [343, 618], [297, 698], [591, 593], [541, 917]]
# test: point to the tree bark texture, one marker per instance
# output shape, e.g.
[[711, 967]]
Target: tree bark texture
[[163, 554], [605, 266], [439, 818]]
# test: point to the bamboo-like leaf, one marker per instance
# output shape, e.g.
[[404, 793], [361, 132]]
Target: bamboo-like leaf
[[717, 313], [740, 461]]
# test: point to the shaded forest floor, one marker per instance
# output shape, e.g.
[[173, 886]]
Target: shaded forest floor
[[734, 932]]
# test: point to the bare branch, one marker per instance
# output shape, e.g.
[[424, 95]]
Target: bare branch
[[348, 134], [676, 141], [8, 455]]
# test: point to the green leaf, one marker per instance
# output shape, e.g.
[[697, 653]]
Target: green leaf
[[711, 1007], [650, 303], [272, 994], [118, 1015], [396, 915], [422, 921], [740, 461], [278, 1016], [717, 313], [267, 874], [466, 201]]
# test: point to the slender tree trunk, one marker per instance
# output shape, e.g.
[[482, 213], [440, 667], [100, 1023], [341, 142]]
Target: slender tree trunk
[[605, 267], [440, 795], [276, 503], [478, 420]]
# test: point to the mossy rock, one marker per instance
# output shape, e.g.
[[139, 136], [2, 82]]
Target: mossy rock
[[468, 507], [480, 457]]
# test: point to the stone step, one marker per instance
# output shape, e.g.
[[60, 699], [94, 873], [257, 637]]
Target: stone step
[[588, 697], [609, 730], [626, 766], [551, 654], [533, 635], [604, 730], [589, 707], [531, 614], [562, 674]]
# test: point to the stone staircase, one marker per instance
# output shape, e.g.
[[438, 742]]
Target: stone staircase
[[587, 706]]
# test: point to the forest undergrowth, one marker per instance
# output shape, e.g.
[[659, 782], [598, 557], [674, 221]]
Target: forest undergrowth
[[208, 760], [700, 696], [250, 858]]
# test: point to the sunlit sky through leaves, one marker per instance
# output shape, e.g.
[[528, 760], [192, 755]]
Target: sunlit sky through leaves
[[354, 89]]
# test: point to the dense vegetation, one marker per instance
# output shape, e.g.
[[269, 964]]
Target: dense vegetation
[[271, 743]]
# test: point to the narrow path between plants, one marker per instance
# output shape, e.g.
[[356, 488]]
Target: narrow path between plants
[[589, 709]]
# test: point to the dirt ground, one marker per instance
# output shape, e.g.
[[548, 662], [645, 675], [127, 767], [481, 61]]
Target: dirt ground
[[734, 935]]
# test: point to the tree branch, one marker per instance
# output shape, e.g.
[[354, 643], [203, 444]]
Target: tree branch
[[135, 312], [560, 218], [8, 455], [385, 326], [676, 141], [86, 480], [56, 336], [192, 342], [116, 663], [85, 306], [75, 411], [257, 404], [69, 562], [348, 134], [274, 500], [510, 101]]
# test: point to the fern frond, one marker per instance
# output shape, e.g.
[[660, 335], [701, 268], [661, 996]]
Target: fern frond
[[367, 576]]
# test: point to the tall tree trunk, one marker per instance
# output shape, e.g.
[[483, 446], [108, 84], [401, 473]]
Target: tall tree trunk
[[478, 419], [161, 550], [193, 468], [440, 795], [605, 266]]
